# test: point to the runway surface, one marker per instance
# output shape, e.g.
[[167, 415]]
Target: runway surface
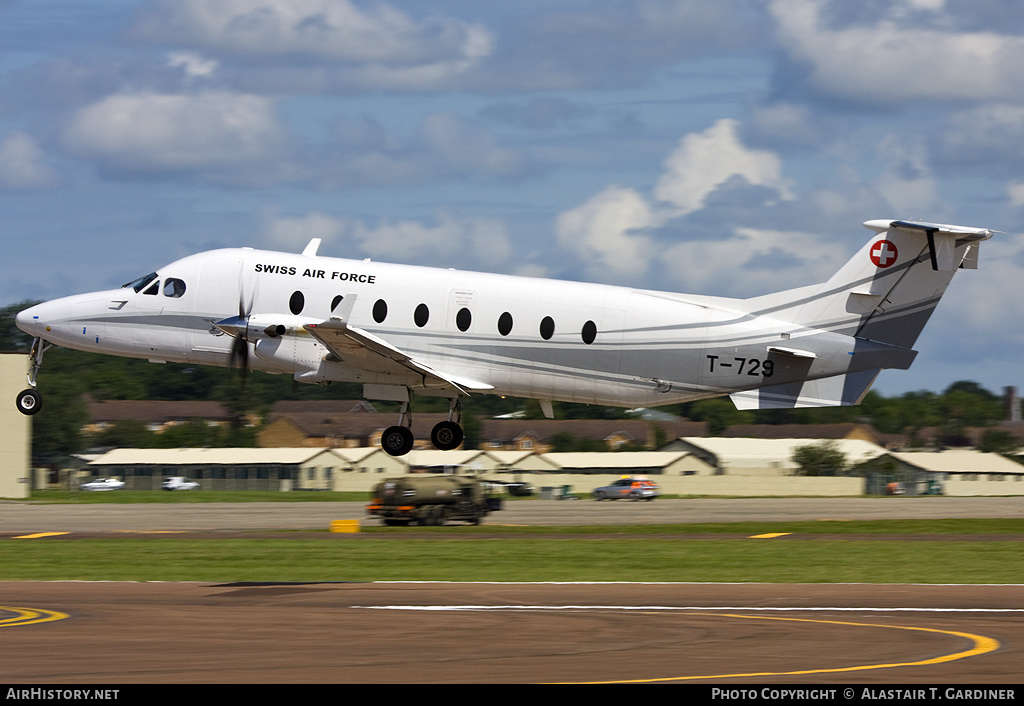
[[33, 517], [129, 633], [146, 633]]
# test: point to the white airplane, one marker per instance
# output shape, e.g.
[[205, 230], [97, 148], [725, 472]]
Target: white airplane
[[403, 330]]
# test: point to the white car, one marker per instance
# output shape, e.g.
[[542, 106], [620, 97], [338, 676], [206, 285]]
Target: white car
[[179, 483], [104, 484]]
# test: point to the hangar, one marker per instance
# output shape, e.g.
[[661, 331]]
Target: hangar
[[221, 468]]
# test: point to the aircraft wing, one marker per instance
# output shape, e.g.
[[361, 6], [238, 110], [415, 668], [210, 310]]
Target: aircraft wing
[[361, 349]]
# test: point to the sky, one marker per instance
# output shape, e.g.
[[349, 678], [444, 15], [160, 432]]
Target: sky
[[731, 148]]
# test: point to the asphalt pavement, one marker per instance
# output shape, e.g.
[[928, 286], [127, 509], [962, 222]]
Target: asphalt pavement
[[21, 516]]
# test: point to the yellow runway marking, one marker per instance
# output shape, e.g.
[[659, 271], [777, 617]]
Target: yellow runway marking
[[770, 535], [29, 616], [41, 534], [982, 645]]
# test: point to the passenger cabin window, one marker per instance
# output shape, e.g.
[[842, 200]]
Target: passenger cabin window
[[505, 324], [547, 328], [421, 315], [589, 332], [296, 303], [174, 288]]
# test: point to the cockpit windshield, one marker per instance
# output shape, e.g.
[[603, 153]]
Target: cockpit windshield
[[141, 282]]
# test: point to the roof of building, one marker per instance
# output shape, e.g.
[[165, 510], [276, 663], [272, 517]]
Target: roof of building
[[615, 461], [545, 429], [800, 431], [959, 462], [322, 422], [156, 410], [214, 456], [734, 451]]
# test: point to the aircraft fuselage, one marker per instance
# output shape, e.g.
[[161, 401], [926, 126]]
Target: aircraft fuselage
[[524, 337]]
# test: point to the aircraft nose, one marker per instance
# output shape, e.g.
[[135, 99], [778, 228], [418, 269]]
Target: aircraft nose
[[24, 320], [30, 320]]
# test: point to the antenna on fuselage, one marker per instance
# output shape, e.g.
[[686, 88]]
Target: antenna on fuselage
[[311, 249]]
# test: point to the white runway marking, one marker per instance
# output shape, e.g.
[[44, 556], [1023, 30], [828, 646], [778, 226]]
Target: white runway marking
[[691, 608]]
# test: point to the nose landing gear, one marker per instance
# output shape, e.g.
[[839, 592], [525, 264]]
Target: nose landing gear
[[30, 401]]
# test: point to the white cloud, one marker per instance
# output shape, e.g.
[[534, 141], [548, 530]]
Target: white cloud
[[1015, 190], [449, 241], [703, 161], [753, 261], [194, 65], [466, 148], [906, 183], [991, 136], [614, 231], [897, 59], [607, 233], [292, 234], [160, 133], [379, 43], [22, 164]]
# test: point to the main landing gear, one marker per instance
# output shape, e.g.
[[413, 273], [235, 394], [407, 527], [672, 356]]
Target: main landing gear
[[30, 401], [445, 436]]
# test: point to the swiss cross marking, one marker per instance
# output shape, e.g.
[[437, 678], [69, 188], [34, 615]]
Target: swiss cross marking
[[883, 253]]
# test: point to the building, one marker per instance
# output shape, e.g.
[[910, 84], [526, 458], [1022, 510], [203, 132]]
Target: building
[[333, 424], [960, 472], [221, 468], [763, 457], [541, 435], [16, 448], [157, 415], [648, 463]]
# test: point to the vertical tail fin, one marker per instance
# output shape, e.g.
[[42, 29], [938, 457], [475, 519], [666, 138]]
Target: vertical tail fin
[[883, 297], [888, 290]]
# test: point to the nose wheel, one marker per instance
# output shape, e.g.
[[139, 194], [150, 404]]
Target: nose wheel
[[29, 402]]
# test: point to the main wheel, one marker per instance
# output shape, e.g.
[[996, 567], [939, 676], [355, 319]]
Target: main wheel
[[29, 402], [446, 436], [397, 440]]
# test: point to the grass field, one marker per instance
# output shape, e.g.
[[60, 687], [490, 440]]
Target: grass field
[[896, 551]]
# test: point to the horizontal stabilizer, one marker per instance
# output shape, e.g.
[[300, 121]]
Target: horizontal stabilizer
[[837, 391], [943, 241]]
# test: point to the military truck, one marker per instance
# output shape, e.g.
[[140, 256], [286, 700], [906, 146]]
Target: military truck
[[428, 499]]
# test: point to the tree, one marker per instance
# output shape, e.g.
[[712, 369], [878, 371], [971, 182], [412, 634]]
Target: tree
[[998, 441], [821, 459], [719, 413]]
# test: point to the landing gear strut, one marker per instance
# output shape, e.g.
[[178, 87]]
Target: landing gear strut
[[30, 401]]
